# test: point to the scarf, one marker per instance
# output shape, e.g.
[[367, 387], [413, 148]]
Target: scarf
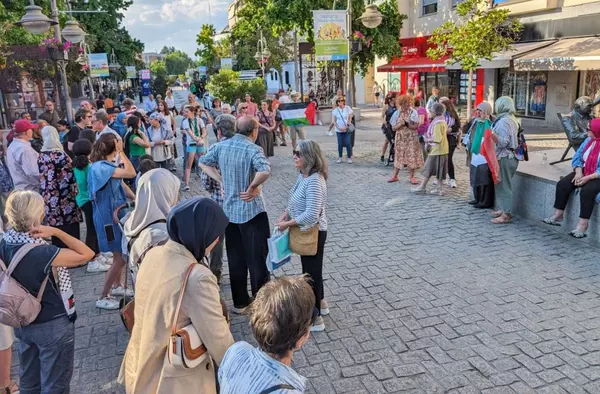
[[196, 224], [431, 127], [61, 274], [480, 127], [51, 140], [593, 147], [119, 126]]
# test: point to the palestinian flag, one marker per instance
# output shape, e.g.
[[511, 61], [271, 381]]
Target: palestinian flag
[[295, 114]]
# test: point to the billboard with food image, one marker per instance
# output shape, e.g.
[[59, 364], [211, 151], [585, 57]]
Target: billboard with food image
[[331, 37]]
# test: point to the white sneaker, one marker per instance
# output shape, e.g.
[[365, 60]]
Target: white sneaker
[[120, 291], [339, 160], [453, 183], [107, 255], [324, 308], [95, 267], [446, 182], [418, 190], [436, 191], [186, 188], [329, 133], [435, 181], [349, 161], [318, 325], [109, 303]]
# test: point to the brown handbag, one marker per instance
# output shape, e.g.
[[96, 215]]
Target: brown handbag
[[304, 243]]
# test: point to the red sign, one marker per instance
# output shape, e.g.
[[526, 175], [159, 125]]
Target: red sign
[[415, 46]]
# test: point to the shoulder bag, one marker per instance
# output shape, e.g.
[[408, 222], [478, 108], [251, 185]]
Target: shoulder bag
[[185, 348], [18, 307], [304, 243]]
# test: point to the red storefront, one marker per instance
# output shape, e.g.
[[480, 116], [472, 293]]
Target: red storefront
[[415, 70]]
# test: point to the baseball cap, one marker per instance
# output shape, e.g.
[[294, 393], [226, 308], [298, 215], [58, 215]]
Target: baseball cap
[[22, 125]]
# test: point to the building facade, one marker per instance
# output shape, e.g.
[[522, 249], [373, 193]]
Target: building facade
[[556, 60]]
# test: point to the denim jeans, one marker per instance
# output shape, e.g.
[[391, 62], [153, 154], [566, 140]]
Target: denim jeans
[[344, 139], [46, 355]]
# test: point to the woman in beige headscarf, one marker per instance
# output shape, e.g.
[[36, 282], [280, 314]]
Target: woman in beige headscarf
[[145, 227]]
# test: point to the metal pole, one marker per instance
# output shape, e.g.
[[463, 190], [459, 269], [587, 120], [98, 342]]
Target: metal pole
[[349, 76], [262, 58], [89, 78], [296, 69], [62, 66]]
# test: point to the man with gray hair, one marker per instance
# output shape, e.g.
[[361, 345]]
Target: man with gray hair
[[100, 125], [243, 169], [225, 125]]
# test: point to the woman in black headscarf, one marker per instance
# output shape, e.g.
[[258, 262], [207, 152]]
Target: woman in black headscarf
[[194, 228]]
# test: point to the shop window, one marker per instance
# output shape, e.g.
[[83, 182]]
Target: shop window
[[287, 78], [527, 89], [429, 7]]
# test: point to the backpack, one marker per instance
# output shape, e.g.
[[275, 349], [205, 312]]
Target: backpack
[[521, 152], [18, 307]]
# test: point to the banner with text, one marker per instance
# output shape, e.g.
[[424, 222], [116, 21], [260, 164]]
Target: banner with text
[[98, 65], [331, 37], [226, 63], [131, 73]]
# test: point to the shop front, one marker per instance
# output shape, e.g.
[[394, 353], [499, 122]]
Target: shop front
[[414, 70]]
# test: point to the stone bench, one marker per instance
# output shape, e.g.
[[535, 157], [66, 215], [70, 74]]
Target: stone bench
[[534, 189]]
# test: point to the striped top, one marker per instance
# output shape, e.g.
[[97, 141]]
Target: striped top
[[248, 370], [307, 202]]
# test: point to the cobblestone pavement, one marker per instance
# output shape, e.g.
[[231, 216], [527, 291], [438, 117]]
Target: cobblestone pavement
[[426, 295]]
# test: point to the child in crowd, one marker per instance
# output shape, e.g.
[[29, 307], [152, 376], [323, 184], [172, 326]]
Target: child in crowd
[[146, 164], [63, 129], [82, 149]]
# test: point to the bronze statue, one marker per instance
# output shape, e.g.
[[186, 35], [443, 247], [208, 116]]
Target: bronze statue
[[577, 122]]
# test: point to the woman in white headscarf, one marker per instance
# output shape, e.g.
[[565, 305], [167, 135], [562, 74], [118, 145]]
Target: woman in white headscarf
[[58, 186], [145, 227]]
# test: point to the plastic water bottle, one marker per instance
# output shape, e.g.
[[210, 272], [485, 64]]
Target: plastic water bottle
[[545, 159]]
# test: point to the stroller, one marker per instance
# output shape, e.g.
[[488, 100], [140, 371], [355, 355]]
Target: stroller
[[391, 137]]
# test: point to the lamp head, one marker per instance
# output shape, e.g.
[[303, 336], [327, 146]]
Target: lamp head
[[34, 21], [371, 18]]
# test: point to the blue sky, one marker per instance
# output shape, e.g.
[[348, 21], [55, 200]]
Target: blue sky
[[173, 22]]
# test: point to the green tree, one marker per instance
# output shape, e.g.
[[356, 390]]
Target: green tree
[[227, 86], [206, 47], [158, 68], [177, 62], [166, 50], [479, 31], [223, 47]]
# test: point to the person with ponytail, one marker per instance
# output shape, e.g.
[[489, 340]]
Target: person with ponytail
[[81, 150], [107, 191], [135, 141]]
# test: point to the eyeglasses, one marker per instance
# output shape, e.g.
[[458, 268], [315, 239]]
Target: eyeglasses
[[296, 153]]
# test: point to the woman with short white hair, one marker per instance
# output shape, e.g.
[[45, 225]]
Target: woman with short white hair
[[46, 345]]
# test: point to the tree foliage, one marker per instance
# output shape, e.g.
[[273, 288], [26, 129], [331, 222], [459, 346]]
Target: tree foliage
[[227, 86], [177, 62], [158, 68], [279, 17], [206, 47], [477, 34]]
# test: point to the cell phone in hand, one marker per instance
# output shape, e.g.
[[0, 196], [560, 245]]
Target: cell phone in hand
[[110, 232]]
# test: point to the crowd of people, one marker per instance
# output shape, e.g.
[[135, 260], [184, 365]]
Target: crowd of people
[[114, 171]]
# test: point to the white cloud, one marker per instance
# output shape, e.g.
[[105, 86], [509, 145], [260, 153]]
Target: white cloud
[[173, 22]]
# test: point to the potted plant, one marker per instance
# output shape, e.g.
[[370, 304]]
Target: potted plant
[[57, 50]]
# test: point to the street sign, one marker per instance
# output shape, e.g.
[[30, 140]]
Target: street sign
[[98, 65], [331, 37]]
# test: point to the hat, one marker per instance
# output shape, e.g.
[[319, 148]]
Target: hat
[[156, 116], [22, 125]]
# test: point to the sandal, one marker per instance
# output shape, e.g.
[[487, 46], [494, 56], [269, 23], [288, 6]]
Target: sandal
[[577, 234], [414, 181], [11, 389], [497, 214], [502, 219], [551, 221], [392, 180]]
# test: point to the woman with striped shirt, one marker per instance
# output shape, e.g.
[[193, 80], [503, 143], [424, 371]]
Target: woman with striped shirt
[[306, 209]]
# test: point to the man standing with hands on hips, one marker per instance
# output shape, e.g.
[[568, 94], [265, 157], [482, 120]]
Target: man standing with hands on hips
[[243, 169]]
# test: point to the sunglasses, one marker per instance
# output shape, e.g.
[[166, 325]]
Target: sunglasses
[[296, 153]]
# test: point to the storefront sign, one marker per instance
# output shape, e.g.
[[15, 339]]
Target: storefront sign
[[131, 73], [98, 65], [331, 37]]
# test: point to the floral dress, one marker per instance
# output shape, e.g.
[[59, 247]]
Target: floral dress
[[58, 188], [408, 149]]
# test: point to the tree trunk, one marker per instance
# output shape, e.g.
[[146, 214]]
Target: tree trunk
[[469, 90]]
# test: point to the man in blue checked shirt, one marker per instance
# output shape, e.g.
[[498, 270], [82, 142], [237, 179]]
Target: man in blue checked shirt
[[243, 169], [225, 125]]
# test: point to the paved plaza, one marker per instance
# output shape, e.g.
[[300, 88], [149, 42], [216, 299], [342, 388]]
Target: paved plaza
[[426, 295]]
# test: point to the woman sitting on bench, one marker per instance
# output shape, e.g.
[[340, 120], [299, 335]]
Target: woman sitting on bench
[[585, 175]]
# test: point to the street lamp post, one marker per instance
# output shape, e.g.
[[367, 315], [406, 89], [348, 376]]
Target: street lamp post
[[62, 65], [262, 53]]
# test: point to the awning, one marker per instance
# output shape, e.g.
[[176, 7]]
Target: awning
[[502, 59], [414, 63], [564, 55]]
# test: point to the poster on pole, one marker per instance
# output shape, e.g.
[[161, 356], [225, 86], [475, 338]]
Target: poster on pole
[[98, 65], [131, 73], [226, 63], [331, 37], [202, 70]]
